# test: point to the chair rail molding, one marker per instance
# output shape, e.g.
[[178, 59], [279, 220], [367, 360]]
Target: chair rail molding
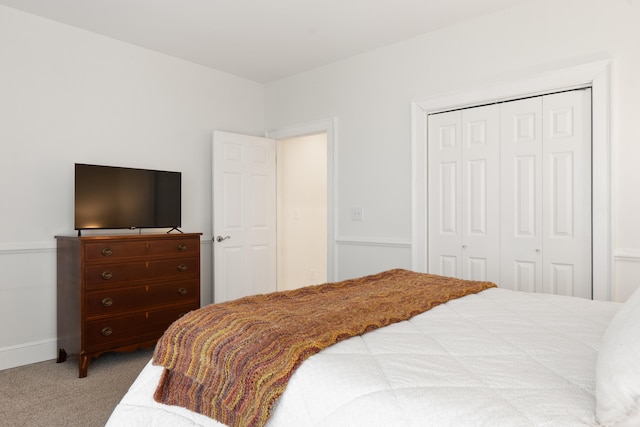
[[373, 241], [627, 255], [27, 247]]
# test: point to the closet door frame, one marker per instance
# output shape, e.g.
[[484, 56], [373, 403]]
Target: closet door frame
[[595, 75]]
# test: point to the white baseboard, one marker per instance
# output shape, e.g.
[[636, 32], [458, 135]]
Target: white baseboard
[[27, 353]]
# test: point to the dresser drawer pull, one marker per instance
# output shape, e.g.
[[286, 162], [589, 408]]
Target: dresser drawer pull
[[182, 291], [106, 331], [106, 251], [182, 247], [182, 268], [106, 275], [107, 302]]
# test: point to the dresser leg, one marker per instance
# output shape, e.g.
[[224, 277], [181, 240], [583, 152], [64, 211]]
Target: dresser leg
[[62, 355], [83, 365]]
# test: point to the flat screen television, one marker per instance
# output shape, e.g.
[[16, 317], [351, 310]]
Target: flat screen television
[[110, 197]]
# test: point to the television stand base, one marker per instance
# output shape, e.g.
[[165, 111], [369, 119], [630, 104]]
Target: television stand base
[[175, 228]]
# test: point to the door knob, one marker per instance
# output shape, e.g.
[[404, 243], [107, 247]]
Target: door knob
[[220, 238]]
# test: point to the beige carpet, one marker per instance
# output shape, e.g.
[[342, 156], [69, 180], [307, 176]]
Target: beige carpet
[[51, 394]]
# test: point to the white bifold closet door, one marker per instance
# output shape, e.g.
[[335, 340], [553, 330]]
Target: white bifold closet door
[[510, 193], [464, 174]]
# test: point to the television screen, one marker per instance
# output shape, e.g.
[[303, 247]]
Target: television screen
[[109, 197]]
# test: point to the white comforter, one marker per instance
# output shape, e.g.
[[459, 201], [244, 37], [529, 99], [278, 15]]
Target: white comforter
[[497, 358]]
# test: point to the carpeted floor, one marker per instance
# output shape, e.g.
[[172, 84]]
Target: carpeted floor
[[51, 394]]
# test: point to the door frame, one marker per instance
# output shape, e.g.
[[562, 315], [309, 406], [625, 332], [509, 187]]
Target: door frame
[[329, 127], [595, 75]]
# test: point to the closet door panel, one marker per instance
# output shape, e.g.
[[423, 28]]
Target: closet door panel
[[521, 195], [444, 180], [481, 193], [525, 174], [447, 265], [567, 187], [448, 189], [561, 200]]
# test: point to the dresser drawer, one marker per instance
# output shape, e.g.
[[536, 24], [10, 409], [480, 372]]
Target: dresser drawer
[[174, 293], [114, 251], [115, 331], [130, 329], [111, 302], [175, 268], [116, 273], [117, 250], [119, 300], [173, 246], [127, 272]]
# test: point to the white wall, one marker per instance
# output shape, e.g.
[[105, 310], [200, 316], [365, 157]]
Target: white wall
[[371, 94], [66, 96]]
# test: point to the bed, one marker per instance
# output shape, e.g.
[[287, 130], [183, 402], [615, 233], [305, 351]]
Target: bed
[[494, 357]]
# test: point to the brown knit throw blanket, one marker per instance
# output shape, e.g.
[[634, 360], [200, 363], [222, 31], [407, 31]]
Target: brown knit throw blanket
[[231, 361]]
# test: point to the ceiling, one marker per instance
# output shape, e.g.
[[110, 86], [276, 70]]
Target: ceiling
[[261, 40]]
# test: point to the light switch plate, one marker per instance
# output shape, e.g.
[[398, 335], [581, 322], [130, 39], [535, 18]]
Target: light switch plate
[[356, 214]]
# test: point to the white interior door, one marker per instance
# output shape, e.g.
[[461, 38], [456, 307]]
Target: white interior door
[[445, 195], [510, 193], [480, 193], [566, 182], [464, 173], [521, 200], [546, 194], [244, 215]]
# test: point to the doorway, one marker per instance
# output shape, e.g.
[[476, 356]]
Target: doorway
[[327, 128], [301, 211], [245, 208]]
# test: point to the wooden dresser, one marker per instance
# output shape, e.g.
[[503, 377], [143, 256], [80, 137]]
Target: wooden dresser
[[120, 293]]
